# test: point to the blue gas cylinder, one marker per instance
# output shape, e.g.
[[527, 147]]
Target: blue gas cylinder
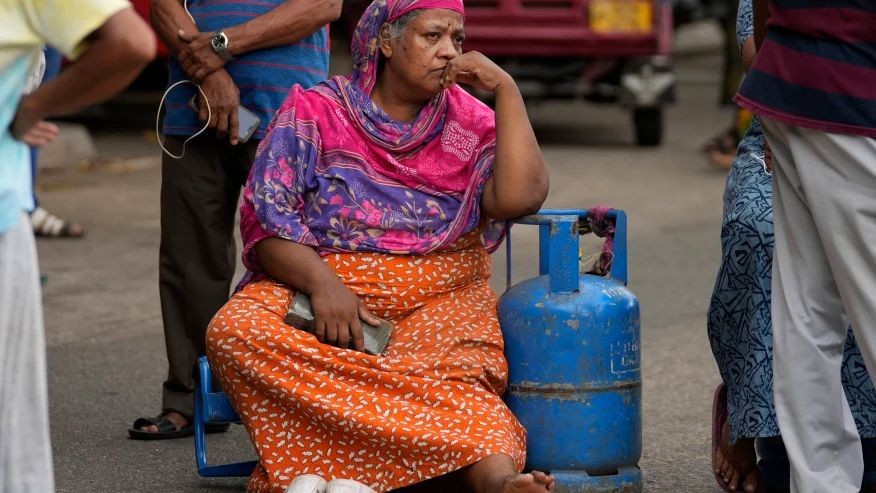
[[572, 344]]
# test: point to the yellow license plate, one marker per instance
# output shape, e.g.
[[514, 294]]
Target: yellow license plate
[[620, 16]]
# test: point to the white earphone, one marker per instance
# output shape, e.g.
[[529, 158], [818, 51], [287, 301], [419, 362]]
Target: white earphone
[[164, 96]]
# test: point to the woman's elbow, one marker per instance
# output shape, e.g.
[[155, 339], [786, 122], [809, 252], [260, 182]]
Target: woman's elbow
[[521, 203], [533, 199], [536, 194]]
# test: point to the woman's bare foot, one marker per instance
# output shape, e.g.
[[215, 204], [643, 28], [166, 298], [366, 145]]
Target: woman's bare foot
[[497, 474], [533, 482], [739, 464]]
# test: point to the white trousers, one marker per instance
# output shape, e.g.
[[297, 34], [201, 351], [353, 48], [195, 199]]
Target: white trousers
[[25, 450], [824, 270]]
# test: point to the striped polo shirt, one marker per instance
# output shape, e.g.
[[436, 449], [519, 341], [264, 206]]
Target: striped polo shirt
[[817, 66], [264, 77]]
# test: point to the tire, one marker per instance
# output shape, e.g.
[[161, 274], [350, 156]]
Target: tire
[[648, 123]]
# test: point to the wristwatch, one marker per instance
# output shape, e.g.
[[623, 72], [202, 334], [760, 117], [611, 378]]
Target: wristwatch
[[219, 43]]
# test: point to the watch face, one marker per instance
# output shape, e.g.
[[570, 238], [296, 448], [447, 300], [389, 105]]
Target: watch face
[[218, 40]]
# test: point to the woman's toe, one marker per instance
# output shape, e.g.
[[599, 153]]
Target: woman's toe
[[719, 463], [734, 480], [725, 471]]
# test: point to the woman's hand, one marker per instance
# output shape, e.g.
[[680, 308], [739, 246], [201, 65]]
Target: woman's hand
[[337, 311], [474, 69]]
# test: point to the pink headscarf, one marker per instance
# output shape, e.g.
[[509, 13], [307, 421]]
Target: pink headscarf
[[402, 7], [365, 47]]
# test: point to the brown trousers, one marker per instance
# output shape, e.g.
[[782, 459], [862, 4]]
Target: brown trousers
[[199, 198]]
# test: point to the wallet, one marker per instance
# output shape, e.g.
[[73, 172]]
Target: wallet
[[300, 316]]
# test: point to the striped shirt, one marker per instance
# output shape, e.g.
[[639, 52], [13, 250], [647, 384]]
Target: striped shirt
[[264, 77], [817, 66]]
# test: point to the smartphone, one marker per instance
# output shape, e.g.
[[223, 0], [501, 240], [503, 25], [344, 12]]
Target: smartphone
[[247, 121]]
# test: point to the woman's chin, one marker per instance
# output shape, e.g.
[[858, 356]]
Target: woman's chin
[[434, 89], [432, 85]]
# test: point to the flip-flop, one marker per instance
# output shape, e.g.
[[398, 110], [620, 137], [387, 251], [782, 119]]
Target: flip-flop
[[719, 417], [167, 430]]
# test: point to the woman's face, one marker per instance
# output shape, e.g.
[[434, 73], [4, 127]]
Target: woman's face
[[417, 59]]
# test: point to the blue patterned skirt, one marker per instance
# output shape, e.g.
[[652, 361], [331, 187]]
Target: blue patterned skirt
[[739, 323]]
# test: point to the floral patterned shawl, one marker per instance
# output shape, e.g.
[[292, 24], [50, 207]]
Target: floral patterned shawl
[[336, 173]]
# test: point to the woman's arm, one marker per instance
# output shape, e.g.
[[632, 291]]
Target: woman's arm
[[519, 184], [336, 309], [276, 237]]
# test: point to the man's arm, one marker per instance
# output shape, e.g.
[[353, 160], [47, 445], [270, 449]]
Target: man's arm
[[116, 52], [287, 23], [761, 16], [168, 19], [292, 21]]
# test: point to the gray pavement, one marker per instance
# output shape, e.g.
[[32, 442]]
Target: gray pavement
[[105, 342]]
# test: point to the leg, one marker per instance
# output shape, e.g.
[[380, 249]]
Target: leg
[[196, 261], [497, 474], [46, 224], [53, 66], [808, 325], [860, 394], [34, 156], [25, 451], [849, 228], [736, 462], [739, 328]]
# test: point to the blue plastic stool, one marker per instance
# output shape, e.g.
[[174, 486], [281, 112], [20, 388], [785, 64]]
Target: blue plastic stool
[[213, 407]]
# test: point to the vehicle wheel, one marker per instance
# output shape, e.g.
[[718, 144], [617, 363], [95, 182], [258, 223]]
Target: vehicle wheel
[[648, 123]]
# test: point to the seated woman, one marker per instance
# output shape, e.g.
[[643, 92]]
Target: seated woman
[[381, 195]]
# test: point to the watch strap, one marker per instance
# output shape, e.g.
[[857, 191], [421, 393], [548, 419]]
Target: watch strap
[[221, 49]]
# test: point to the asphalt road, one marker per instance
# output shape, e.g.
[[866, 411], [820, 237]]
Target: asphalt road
[[105, 342]]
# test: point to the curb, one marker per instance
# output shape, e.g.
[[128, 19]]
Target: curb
[[73, 146]]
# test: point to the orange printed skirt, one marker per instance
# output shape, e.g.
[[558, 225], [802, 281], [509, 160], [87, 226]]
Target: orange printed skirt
[[429, 407]]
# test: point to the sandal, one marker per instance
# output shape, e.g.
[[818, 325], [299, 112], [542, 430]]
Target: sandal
[[167, 430], [47, 225], [719, 418]]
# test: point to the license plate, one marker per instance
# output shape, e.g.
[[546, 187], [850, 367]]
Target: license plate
[[621, 16]]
